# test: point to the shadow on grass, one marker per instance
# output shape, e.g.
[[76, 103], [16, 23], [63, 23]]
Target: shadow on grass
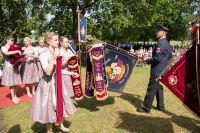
[[130, 122], [133, 99], [188, 123], [92, 103], [41, 128], [143, 124], [185, 122], [148, 124], [2, 126], [15, 129], [38, 128]]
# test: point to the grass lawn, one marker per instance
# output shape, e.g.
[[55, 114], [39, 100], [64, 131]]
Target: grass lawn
[[115, 115]]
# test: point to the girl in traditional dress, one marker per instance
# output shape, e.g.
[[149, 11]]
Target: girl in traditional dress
[[29, 68], [66, 54], [39, 49], [43, 108], [11, 75]]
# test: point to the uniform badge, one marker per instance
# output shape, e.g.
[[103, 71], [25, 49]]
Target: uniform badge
[[157, 50]]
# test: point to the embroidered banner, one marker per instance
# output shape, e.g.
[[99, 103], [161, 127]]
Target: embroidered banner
[[76, 81], [98, 72], [59, 90], [89, 91], [83, 28], [181, 79], [119, 66]]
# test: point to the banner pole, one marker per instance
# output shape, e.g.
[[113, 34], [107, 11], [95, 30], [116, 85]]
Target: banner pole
[[79, 43], [197, 70]]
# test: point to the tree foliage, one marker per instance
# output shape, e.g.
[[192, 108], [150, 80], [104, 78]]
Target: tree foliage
[[112, 20]]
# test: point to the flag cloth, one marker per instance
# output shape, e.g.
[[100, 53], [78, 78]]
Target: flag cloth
[[98, 73], [89, 86], [76, 81], [83, 28], [182, 81], [59, 90], [119, 66]]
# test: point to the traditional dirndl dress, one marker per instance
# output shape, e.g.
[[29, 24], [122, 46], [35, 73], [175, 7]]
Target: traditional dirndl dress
[[10, 75], [29, 68], [66, 79], [43, 108], [40, 50]]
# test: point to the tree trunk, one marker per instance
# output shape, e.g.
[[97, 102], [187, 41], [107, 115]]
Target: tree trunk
[[75, 26]]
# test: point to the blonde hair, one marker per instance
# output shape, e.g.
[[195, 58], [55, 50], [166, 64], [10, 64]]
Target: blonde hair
[[28, 39], [41, 38], [49, 36]]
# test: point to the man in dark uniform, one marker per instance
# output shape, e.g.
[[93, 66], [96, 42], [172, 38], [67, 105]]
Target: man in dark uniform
[[161, 56], [72, 45]]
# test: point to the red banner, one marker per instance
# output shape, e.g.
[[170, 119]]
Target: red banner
[[76, 81], [182, 79], [59, 90]]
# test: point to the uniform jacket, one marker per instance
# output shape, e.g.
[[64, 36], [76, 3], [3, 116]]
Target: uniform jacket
[[162, 53]]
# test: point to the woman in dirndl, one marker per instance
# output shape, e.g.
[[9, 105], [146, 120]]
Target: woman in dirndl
[[30, 74], [66, 55], [43, 108], [11, 75], [39, 49]]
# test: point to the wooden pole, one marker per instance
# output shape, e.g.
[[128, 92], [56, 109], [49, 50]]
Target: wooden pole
[[79, 42], [197, 54]]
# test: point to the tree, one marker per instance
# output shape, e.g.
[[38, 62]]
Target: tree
[[126, 21]]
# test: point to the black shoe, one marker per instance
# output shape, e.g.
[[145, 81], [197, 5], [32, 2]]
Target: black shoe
[[143, 110], [160, 109]]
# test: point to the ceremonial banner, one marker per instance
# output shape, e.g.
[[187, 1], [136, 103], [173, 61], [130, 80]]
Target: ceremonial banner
[[119, 66], [83, 26], [76, 81], [59, 90], [182, 81], [98, 71], [89, 91]]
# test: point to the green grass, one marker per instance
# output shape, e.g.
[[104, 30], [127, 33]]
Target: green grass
[[115, 115]]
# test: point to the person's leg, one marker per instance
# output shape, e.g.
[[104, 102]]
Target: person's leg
[[151, 92], [28, 90], [160, 97], [63, 128], [12, 92], [33, 89], [15, 93], [49, 127]]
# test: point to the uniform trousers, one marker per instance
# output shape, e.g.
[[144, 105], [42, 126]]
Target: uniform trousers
[[154, 88]]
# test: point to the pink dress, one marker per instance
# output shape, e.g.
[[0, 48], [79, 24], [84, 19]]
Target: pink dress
[[29, 68], [39, 50], [66, 79], [43, 108], [10, 76]]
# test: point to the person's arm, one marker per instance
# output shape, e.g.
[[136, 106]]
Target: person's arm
[[5, 52], [65, 72], [47, 66], [158, 55]]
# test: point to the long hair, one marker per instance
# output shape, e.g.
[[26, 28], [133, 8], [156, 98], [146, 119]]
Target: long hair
[[61, 39], [49, 36]]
